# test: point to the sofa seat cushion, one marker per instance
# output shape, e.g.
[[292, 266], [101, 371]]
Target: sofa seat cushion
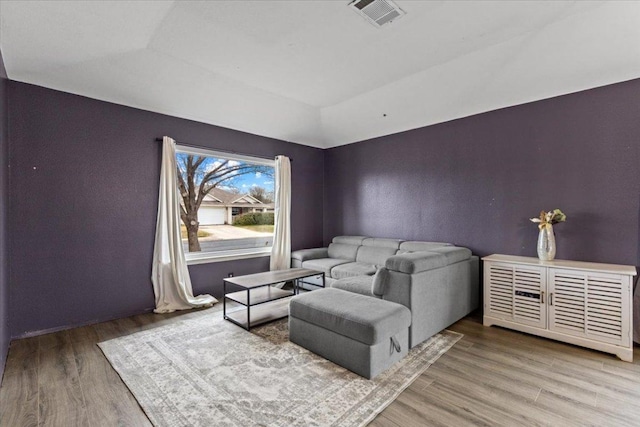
[[323, 264], [353, 269], [359, 285], [361, 318]]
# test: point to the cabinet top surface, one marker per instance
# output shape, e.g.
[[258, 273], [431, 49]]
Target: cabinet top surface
[[628, 270]]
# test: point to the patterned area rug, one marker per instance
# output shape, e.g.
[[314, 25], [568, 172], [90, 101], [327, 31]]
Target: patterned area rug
[[204, 371]]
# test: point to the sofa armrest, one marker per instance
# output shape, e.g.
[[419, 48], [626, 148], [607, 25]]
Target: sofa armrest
[[307, 254]]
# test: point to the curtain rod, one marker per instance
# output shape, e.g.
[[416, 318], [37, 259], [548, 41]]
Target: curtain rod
[[226, 151]]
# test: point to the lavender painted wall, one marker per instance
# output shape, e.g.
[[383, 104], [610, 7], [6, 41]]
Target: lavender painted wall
[[84, 200], [5, 334], [476, 181]]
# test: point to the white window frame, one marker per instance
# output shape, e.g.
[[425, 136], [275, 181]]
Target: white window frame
[[234, 254]]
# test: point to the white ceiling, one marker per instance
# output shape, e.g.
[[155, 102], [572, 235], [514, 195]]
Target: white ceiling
[[314, 72]]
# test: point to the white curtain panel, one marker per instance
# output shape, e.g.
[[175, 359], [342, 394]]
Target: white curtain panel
[[281, 251], [170, 275]]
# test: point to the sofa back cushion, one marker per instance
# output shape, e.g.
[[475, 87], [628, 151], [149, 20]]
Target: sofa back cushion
[[349, 240], [374, 255], [415, 246], [342, 251], [382, 243], [454, 254], [380, 280], [415, 262]]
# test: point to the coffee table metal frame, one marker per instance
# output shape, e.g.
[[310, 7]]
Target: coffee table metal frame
[[257, 290]]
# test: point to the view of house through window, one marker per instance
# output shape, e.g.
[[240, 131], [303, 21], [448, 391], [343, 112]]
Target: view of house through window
[[226, 201]]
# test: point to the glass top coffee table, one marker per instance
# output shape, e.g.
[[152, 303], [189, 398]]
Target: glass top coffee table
[[263, 301]]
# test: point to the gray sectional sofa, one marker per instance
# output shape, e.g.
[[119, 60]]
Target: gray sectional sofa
[[437, 282]]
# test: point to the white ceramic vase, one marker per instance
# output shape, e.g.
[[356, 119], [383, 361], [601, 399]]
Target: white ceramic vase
[[546, 243]]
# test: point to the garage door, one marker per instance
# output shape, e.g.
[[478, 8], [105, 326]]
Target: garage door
[[211, 216]]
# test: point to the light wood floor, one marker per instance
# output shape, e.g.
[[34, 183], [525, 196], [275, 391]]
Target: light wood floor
[[490, 377]]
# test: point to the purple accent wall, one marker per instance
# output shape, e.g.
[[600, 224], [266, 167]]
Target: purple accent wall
[[476, 181], [85, 173], [5, 334], [84, 202]]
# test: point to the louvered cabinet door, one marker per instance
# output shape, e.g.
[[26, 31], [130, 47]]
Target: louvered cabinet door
[[498, 290], [567, 301], [607, 315], [529, 285], [591, 305], [516, 293]]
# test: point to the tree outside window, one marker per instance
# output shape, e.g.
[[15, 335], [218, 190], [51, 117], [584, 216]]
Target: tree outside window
[[225, 203]]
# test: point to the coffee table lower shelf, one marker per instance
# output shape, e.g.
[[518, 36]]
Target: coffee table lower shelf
[[263, 313]]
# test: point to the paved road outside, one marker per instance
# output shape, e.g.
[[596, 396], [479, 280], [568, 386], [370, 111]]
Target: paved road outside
[[224, 232], [225, 237]]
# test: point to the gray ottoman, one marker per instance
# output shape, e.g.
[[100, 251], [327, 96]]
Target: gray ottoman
[[363, 334]]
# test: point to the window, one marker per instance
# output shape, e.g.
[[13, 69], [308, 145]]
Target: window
[[226, 204]]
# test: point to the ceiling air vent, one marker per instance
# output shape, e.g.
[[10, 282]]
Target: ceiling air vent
[[378, 12]]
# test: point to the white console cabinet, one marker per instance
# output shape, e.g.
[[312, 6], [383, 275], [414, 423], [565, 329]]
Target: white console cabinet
[[581, 303]]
